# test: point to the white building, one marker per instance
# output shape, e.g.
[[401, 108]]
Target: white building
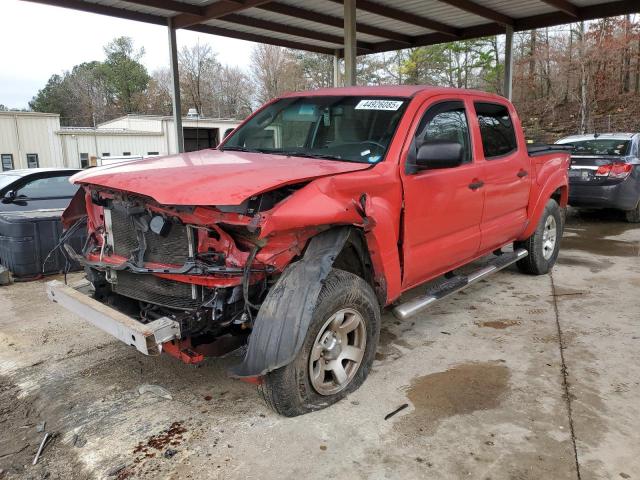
[[30, 139]]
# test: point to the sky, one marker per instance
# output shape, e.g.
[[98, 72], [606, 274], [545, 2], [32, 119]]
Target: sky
[[37, 41]]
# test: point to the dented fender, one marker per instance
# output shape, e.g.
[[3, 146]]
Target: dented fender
[[285, 315]]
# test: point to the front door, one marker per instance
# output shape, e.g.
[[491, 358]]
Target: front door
[[443, 207]]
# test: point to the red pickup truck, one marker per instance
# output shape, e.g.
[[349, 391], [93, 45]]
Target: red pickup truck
[[317, 212]]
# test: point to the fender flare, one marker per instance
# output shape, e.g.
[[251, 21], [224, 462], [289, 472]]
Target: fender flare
[[546, 193], [285, 315]]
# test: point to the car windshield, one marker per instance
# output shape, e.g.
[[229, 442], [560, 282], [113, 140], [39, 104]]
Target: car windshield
[[600, 146], [347, 128], [6, 180]]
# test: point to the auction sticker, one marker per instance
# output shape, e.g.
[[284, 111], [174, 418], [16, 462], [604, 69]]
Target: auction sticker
[[374, 104]]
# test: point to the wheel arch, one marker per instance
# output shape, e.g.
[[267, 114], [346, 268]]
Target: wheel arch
[[281, 324]]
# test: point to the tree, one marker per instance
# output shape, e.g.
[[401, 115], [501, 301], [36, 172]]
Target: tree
[[126, 79], [198, 70], [274, 71]]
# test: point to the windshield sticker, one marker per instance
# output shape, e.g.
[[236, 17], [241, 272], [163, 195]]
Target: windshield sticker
[[379, 104], [374, 158]]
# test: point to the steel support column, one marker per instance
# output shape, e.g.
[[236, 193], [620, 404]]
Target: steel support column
[[175, 87], [508, 63], [336, 68], [349, 43]]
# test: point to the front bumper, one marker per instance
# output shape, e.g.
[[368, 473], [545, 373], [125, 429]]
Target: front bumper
[[147, 338], [621, 196]]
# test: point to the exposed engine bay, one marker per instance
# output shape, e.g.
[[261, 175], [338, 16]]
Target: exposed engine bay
[[203, 267]]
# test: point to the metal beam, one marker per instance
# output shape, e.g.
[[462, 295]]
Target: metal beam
[[105, 10], [289, 30], [349, 43], [563, 6], [171, 5], [216, 10], [336, 68], [175, 87], [323, 19], [253, 37], [481, 11], [403, 16], [508, 63]]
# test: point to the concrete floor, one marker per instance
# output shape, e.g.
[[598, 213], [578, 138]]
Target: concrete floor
[[516, 378]]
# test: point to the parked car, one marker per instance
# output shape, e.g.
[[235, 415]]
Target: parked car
[[36, 189], [319, 210], [605, 172]]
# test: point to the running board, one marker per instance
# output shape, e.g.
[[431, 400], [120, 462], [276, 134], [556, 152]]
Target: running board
[[456, 284]]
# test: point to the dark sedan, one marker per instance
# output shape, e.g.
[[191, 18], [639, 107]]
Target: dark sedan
[[35, 189], [605, 172]]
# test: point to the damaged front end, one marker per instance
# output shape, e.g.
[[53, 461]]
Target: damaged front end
[[207, 269]]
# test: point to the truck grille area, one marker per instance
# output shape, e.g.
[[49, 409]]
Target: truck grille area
[[158, 291], [170, 249]]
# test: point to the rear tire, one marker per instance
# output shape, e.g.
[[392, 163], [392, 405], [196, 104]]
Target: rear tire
[[310, 381], [544, 245], [633, 216]]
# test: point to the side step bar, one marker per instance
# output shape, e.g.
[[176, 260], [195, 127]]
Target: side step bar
[[456, 284]]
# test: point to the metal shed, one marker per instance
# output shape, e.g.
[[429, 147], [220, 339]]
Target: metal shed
[[346, 28]]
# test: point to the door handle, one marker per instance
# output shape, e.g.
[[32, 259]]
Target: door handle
[[476, 184], [522, 173]]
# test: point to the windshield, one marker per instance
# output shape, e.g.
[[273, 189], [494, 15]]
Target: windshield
[[6, 180], [354, 129], [600, 146]]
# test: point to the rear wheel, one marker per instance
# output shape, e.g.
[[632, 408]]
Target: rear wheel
[[337, 352], [633, 216], [543, 246]]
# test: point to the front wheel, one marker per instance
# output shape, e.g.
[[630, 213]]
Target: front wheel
[[543, 246], [337, 352]]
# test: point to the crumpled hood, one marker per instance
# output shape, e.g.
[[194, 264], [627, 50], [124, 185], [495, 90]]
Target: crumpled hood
[[211, 177]]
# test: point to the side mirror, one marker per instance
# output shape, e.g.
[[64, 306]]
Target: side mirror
[[439, 154], [9, 197]]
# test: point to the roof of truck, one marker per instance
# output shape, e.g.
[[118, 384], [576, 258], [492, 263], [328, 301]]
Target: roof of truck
[[389, 91]]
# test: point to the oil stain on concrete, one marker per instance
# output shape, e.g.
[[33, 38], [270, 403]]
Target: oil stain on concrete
[[460, 390], [498, 324]]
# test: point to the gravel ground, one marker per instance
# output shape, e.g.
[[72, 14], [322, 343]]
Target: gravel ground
[[515, 378]]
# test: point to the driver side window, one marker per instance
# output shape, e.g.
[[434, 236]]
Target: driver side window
[[445, 121], [51, 187]]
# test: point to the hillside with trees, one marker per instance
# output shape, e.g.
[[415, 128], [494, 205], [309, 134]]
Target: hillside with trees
[[573, 78]]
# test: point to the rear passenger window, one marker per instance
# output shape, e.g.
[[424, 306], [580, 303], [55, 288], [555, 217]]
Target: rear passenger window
[[496, 130]]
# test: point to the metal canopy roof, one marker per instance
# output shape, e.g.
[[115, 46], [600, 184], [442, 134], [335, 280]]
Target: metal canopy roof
[[382, 25]]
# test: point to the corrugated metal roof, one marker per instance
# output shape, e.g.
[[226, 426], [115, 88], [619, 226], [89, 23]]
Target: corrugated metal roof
[[382, 24]]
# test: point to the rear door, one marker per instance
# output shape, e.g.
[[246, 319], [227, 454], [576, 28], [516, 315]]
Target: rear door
[[506, 175], [442, 207]]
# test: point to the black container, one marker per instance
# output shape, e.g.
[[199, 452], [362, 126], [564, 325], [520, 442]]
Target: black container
[[26, 238]]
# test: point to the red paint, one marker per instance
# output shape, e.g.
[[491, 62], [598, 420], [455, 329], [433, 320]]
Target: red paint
[[187, 179], [417, 226]]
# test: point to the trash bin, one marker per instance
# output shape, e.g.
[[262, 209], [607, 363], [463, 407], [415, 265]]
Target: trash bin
[[26, 238]]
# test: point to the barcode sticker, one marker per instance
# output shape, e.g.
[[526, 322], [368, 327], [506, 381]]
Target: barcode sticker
[[374, 104]]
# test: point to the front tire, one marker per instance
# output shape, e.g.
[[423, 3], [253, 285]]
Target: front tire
[[544, 245], [337, 352]]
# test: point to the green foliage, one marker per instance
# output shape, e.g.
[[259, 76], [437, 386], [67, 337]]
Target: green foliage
[[125, 77], [461, 64], [93, 91]]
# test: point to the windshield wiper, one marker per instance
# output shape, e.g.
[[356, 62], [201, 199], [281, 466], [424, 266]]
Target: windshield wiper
[[240, 149], [314, 155]]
